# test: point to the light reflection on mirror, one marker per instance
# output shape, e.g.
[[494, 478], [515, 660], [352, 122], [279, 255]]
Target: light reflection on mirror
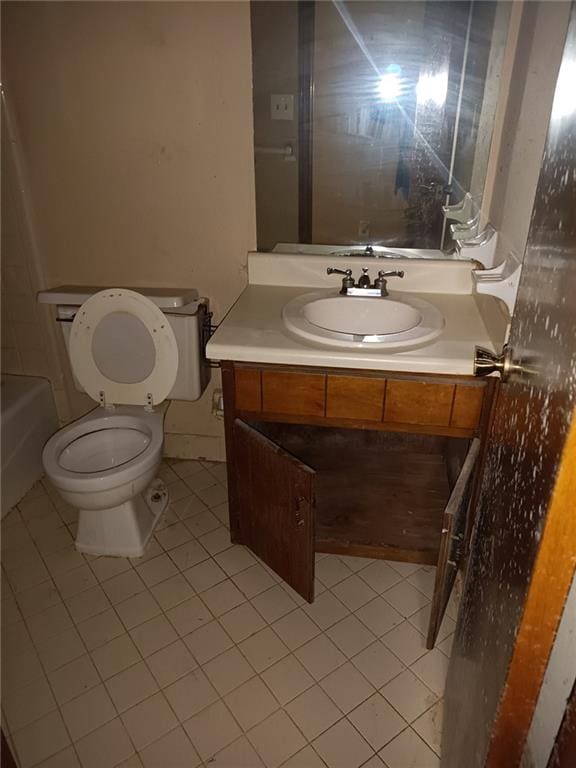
[[432, 88], [390, 84], [393, 109]]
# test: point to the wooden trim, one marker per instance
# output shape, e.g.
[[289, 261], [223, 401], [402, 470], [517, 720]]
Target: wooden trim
[[355, 397], [564, 751], [466, 406], [441, 378], [248, 385], [306, 13], [419, 403], [299, 394], [551, 580]]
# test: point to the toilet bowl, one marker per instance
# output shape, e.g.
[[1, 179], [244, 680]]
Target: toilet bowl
[[102, 464], [124, 354]]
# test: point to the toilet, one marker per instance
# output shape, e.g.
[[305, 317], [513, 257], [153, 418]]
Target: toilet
[[129, 350]]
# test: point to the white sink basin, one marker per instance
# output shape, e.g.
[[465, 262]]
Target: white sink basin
[[396, 321], [366, 317]]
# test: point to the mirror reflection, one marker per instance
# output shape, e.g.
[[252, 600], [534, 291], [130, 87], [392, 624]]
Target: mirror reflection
[[370, 116]]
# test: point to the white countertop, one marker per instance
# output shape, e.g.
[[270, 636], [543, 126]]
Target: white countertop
[[253, 331]]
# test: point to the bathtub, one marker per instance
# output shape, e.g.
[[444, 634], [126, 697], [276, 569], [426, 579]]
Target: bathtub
[[28, 420]]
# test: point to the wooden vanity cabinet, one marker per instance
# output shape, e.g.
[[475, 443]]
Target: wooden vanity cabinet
[[373, 465]]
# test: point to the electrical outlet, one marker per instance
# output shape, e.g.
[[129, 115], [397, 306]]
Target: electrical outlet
[[282, 106]]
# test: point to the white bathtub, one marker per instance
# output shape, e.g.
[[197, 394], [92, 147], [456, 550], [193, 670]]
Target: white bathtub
[[28, 420]]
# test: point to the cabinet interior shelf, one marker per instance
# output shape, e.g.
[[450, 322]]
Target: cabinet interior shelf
[[377, 494]]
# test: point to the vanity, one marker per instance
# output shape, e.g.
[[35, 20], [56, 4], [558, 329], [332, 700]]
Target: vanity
[[348, 446]]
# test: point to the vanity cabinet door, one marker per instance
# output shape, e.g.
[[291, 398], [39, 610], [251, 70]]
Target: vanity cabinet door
[[275, 500], [453, 541]]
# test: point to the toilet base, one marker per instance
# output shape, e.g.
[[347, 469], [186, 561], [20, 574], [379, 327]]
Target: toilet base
[[122, 531]]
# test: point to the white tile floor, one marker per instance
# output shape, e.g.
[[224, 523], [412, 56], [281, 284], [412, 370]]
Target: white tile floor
[[197, 654]]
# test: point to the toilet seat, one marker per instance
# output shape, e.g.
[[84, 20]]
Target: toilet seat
[[100, 362]]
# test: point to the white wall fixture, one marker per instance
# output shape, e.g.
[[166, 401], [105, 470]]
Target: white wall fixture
[[481, 247], [500, 281]]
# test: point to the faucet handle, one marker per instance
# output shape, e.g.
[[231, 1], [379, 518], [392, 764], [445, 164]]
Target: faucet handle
[[347, 280], [336, 271], [381, 281]]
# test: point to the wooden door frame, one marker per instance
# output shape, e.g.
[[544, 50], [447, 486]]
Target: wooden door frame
[[549, 586], [306, 17]]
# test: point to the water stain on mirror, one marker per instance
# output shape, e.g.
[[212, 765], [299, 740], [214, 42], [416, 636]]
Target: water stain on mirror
[[370, 116]]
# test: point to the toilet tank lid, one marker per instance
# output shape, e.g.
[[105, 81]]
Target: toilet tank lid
[[76, 295]]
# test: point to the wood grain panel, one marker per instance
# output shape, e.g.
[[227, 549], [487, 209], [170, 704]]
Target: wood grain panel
[[294, 393], [467, 408], [276, 502], [353, 397], [418, 402], [248, 386]]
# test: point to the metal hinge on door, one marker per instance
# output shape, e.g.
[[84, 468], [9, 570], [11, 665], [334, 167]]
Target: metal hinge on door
[[457, 551], [299, 503]]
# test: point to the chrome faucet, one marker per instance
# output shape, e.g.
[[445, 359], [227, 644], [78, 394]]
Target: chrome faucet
[[364, 287]]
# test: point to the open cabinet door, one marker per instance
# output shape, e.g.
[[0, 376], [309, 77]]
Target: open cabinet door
[[452, 542], [275, 493]]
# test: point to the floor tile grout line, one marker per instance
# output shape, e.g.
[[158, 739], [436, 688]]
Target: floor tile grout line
[[436, 703], [229, 577], [46, 673], [221, 697]]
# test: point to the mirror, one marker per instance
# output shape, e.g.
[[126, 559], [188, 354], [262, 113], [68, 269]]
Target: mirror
[[369, 117]]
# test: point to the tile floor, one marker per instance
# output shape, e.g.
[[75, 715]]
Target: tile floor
[[197, 655]]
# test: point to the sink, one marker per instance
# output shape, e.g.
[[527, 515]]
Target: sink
[[396, 321], [365, 317]]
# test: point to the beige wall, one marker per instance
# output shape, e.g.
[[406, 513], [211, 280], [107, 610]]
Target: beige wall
[[135, 122], [30, 341], [23, 339]]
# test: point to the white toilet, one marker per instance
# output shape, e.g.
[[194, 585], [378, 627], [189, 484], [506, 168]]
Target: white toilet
[[129, 350]]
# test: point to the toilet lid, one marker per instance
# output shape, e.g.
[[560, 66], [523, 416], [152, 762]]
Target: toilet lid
[[123, 349]]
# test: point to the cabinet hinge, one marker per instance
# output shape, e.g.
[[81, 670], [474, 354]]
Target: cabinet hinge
[[299, 503]]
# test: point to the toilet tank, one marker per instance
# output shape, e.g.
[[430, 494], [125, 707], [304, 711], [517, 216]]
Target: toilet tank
[[185, 311]]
